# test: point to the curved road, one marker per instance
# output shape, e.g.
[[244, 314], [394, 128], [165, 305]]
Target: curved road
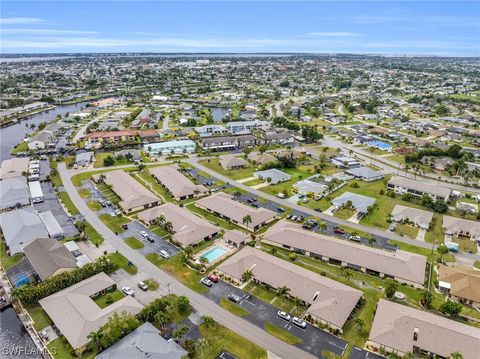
[[203, 305]]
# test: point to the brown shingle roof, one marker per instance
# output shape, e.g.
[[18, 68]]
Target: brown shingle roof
[[175, 182], [464, 282]]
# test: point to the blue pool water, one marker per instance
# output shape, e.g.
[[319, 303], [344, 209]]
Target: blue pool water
[[379, 144], [214, 253]]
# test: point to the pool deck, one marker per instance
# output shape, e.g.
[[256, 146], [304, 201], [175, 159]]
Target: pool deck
[[229, 250]]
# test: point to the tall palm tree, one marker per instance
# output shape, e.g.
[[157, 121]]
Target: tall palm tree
[[96, 340], [160, 220], [322, 225], [207, 321], [247, 220], [282, 292], [168, 226], [346, 273], [247, 275]]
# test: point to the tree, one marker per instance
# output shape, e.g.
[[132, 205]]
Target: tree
[[182, 303], [426, 299], [108, 161], [456, 355], [247, 275], [323, 225], [390, 288], [283, 292], [207, 321], [168, 226], [346, 273], [450, 308], [359, 324], [247, 220], [188, 251], [95, 341], [162, 318], [442, 250], [273, 250], [180, 332]]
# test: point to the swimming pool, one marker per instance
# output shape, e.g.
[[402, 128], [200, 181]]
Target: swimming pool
[[214, 253], [380, 145]]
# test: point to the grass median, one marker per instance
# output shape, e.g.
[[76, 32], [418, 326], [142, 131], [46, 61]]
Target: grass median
[[134, 243], [282, 334], [233, 308]]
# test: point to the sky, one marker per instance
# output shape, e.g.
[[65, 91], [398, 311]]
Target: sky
[[445, 28]]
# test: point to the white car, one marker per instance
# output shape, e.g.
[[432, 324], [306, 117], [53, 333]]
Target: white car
[[206, 281], [128, 291], [299, 322], [144, 234], [280, 195], [284, 315], [164, 254]]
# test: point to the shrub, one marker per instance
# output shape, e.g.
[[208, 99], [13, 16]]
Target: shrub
[[292, 256]]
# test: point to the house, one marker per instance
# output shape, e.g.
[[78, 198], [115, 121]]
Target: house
[[236, 237], [328, 301], [403, 185], [36, 192], [402, 266], [460, 284], [461, 227], [133, 195], [345, 162], [244, 126], [14, 193], [309, 188], [259, 159], [49, 257], [188, 229], [278, 138], [179, 186], [169, 147], [20, 227], [359, 202], [223, 205], [228, 142], [84, 159], [418, 217], [14, 167], [42, 140], [75, 313], [133, 154], [365, 174], [110, 136], [401, 329], [144, 342], [230, 162], [273, 176]]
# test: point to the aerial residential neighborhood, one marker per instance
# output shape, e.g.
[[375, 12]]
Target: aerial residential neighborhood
[[230, 180]]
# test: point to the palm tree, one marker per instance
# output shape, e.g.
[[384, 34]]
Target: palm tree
[[96, 340], [282, 292], [247, 275], [168, 226], [344, 271], [456, 355], [189, 251], [201, 345], [322, 225], [359, 324], [162, 318], [160, 220], [207, 321], [273, 250], [442, 250], [247, 220]]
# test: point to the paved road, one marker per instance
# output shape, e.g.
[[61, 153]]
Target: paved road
[[203, 305], [82, 130], [464, 257]]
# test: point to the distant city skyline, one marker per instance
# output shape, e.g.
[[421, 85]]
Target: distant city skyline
[[443, 28]]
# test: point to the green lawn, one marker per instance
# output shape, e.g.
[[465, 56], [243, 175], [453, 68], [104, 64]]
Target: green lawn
[[234, 308], [40, 318], [122, 263], [65, 198], [221, 339], [435, 234], [60, 349], [101, 156], [134, 243], [175, 267], [7, 261], [344, 213], [465, 244], [92, 235], [94, 206], [108, 193], [477, 264], [422, 251], [271, 297], [114, 223], [241, 173], [84, 193], [407, 230], [282, 334], [22, 146], [109, 298], [253, 182], [145, 178]]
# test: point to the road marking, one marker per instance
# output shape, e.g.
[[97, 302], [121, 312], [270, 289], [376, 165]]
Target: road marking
[[338, 346], [356, 348], [290, 327], [286, 325]]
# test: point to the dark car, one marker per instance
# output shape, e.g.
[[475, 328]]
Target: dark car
[[150, 238], [338, 230], [280, 209], [125, 226], [317, 209]]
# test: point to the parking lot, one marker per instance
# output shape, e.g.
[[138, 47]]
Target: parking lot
[[51, 203], [314, 340]]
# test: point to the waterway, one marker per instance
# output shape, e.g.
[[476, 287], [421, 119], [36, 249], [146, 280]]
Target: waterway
[[218, 113], [14, 339], [11, 135]]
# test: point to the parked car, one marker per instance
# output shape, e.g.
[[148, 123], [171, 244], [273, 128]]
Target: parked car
[[305, 200], [206, 281], [284, 315], [255, 204], [280, 209], [280, 195], [338, 230], [124, 226], [234, 298], [113, 214], [299, 322], [164, 254], [360, 214], [144, 234], [392, 227], [108, 203], [150, 238], [213, 278], [102, 203], [118, 212], [251, 200], [128, 291], [300, 196], [142, 286], [354, 238], [317, 209]]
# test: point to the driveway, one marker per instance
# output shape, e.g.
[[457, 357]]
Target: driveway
[[358, 353], [314, 340], [421, 234], [51, 203]]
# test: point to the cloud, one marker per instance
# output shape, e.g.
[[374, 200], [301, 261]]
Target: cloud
[[22, 20], [47, 32], [335, 34]]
